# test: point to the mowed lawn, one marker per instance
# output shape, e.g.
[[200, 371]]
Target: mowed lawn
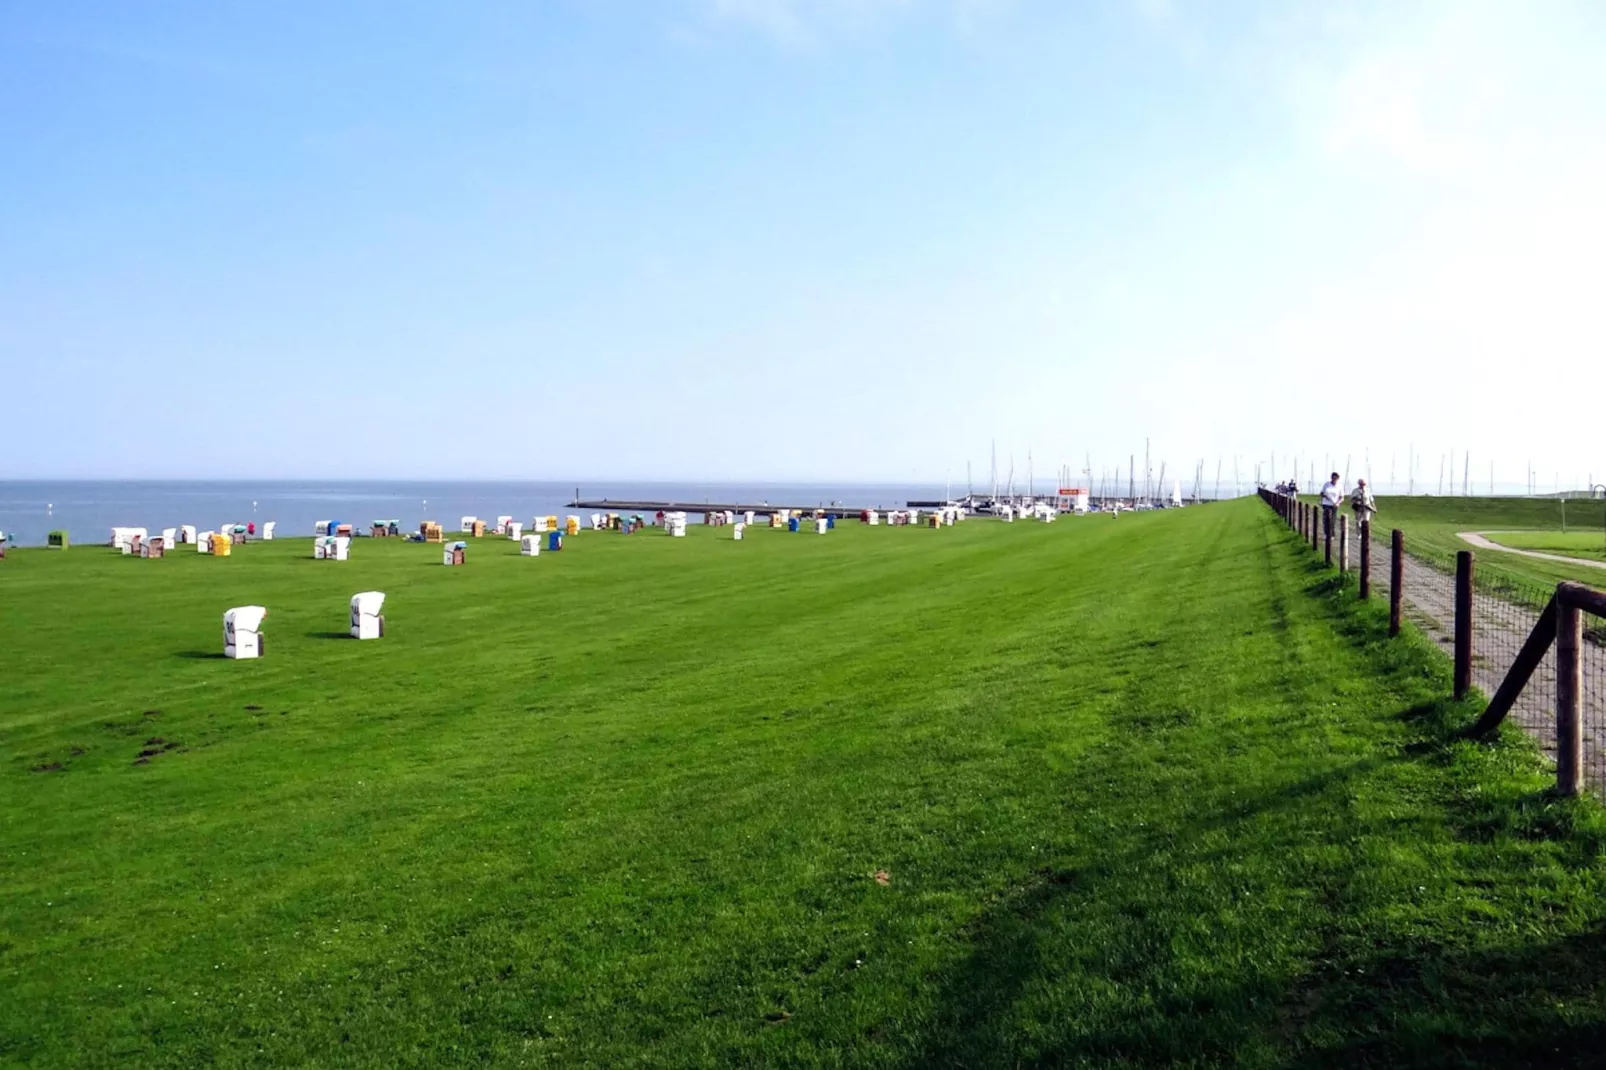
[[1589, 545], [1138, 790]]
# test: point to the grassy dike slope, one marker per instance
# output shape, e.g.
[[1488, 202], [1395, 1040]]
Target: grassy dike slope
[[1142, 788], [1432, 527]]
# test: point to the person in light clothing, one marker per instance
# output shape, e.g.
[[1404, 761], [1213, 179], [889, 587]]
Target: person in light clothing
[[1363, 503], [1332, 494]]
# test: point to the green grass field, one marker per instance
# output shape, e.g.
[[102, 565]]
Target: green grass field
[[1431, 527], [1138, 791], [1589, 545]]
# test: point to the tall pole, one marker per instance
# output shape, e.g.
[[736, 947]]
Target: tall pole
[[1132, 476]]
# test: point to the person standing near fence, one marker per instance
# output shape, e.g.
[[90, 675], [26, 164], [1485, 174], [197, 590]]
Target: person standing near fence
[[1363, 503], [1332, 494]]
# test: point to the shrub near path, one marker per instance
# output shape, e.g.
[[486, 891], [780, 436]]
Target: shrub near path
[[1104, 791]]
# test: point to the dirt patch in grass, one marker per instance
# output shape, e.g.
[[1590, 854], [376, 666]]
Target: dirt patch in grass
[[47, 767], [154, 746]]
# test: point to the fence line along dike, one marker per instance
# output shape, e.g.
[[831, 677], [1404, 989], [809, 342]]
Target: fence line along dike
[[1504, 636]]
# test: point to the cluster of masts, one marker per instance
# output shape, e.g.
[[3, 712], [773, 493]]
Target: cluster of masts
[[1456, 476], [1107, 491]]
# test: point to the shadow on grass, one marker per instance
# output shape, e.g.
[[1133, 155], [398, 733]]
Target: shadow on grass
[[1096, 964], [328, 635], [200, 655], [1008, 960], [1426, 994], [1524, 994], [1412, 1003]]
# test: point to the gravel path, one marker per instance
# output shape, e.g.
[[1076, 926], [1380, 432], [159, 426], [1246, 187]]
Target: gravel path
[[1501, 627], [1476, 539]]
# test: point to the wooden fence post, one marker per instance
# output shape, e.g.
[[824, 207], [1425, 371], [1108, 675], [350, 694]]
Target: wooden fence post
[[1569, 691], [1343, 545], [1396, 581], [1463, 623], [1328, 520], [1366, 559], [1316, 530]]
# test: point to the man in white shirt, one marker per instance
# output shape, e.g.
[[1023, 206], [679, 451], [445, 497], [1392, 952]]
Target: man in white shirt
[[1332, 495]]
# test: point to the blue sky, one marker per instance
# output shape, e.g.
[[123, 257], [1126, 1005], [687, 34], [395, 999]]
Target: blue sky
[[793, 239]]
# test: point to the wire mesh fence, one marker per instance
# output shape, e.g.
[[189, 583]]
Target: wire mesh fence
[[1504, 612], [1593, 705]]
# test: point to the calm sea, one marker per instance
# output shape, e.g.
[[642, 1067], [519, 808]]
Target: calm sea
[[89, 510]]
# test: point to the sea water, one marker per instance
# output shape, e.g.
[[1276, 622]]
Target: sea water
[[88, 510]]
